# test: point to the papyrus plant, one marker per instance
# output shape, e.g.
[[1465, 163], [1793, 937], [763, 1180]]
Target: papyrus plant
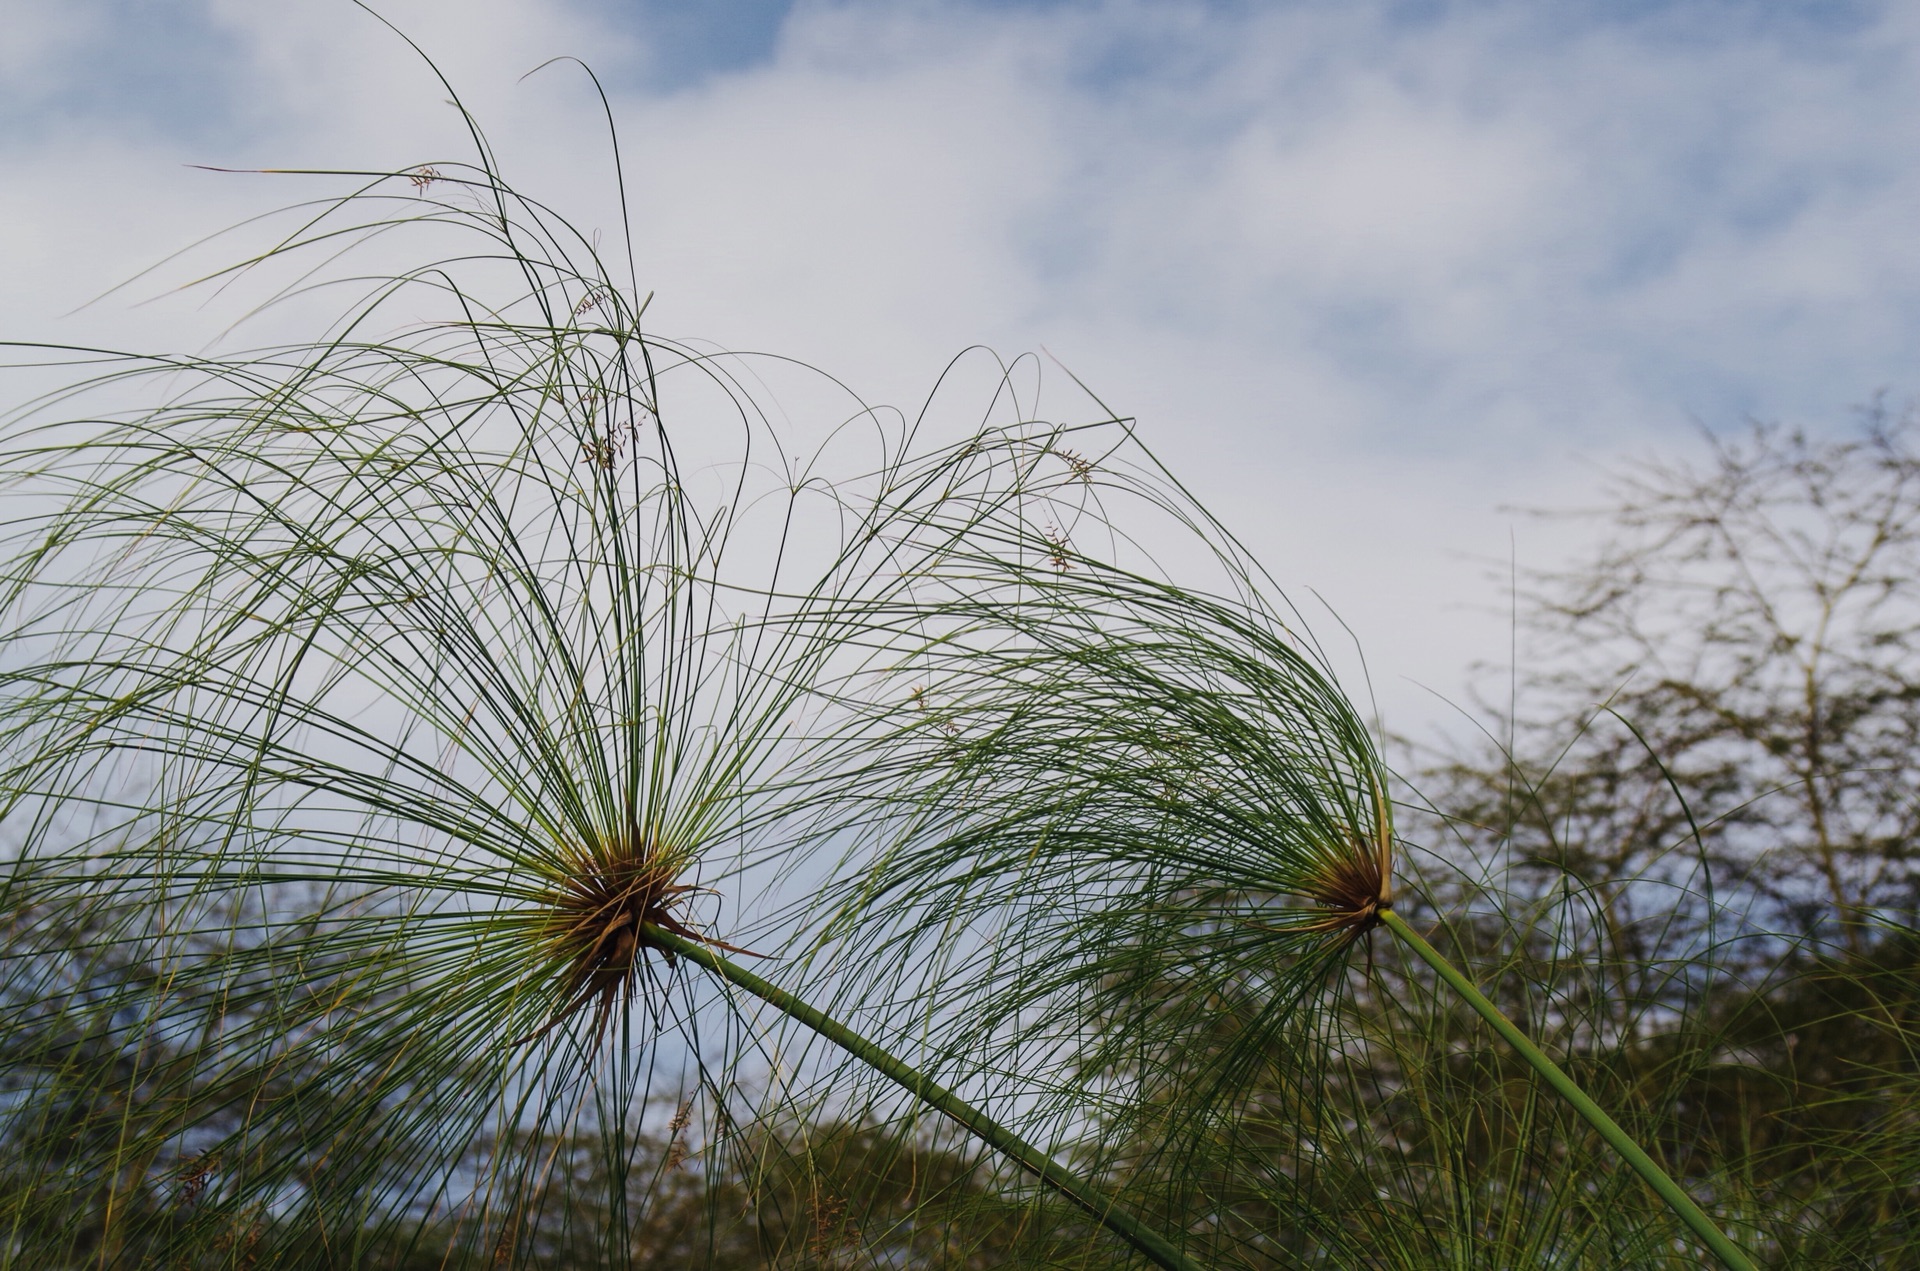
[[386, 722], [1115, 798]]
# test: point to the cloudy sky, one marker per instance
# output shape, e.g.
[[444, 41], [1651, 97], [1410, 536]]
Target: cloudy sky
[[1366, 272]]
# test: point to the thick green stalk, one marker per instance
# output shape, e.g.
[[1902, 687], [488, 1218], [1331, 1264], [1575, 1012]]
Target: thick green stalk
[[936, 1096], [1648, 1169]]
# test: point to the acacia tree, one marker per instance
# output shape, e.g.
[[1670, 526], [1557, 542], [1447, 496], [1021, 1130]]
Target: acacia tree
[[1732, 679], [1702, 791]]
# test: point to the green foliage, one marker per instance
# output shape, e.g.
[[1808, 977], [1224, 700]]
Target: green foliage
[[397, 729]]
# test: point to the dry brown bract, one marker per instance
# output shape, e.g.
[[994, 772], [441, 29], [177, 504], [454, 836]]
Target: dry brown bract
[[1356, 890], [598, 916]]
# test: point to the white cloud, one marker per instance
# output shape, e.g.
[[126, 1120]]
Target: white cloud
[[1364, 279], [35, 37]]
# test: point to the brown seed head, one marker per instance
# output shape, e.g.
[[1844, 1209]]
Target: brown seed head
[[1357, 885], [598, 913], [1355, 889]]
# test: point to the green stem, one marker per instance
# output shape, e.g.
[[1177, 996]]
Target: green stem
[[936, 1096], [1648, 1169]]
